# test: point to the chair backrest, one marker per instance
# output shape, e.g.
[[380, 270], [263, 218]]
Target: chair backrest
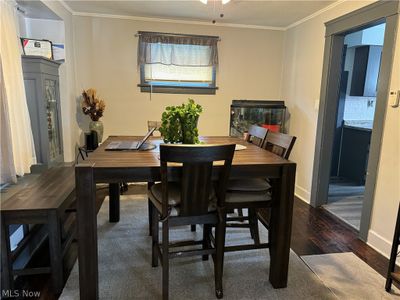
[[256, 135], [195, 175], [279, 143]]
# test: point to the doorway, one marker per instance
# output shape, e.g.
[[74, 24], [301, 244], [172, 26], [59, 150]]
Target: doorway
[[354, 123], [378, 13]]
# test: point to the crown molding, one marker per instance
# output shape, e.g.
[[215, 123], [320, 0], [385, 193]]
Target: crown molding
[[176, 21], [203, 23], [66, 6], [164, 20]]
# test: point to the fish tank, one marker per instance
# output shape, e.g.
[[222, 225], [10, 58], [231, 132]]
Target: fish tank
[[269, 114]]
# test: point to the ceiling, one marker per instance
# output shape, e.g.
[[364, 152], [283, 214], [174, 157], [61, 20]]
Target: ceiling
[[36, 10], [244, 12]]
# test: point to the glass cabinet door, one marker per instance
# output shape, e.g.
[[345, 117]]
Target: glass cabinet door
[[52, 119]]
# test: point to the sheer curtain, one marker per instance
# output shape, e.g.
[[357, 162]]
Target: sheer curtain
[[7, 173], [177, 50], [21, 141], [172, 58]]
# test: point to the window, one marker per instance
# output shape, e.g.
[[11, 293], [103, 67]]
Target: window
[[171, 63]]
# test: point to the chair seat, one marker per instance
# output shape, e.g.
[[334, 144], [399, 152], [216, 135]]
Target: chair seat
[[245, 196], [174, 197], [249, 185]]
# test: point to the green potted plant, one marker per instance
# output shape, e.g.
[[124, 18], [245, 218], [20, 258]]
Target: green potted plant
[[179, 123]]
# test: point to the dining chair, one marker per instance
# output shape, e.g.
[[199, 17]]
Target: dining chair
[[150, 125], [256, 135], [255, 194], [190, 198], [156, 125], [281, 144]]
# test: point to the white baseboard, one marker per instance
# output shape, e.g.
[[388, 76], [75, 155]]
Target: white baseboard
[[379, 243], [302, 194]]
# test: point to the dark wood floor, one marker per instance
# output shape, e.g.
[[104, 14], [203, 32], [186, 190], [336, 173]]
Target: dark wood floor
[[315, 231]]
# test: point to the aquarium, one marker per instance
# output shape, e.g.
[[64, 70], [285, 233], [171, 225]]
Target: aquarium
[[265, 113]]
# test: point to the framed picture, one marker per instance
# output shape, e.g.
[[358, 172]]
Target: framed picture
[[35, 47]]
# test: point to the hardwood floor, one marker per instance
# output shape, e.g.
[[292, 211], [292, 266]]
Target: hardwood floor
[[314, 231]]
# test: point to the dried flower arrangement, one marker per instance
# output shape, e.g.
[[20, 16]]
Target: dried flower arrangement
[[92, 105]]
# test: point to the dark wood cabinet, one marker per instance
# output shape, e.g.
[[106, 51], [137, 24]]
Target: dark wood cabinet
[[367, 60], [354, 153]]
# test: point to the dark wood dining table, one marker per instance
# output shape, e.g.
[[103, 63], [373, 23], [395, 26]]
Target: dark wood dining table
[[113, 167]]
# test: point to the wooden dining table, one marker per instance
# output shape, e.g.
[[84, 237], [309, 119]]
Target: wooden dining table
[[113, 167]]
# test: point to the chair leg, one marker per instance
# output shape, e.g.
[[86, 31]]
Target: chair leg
[[150, 206], [150, 212], [220, 231], [165, 259], [206, 239], [193, 228], [253, 222], [154, 236]]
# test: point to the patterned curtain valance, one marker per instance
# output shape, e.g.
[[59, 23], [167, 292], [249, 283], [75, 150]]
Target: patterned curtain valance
[[177, 50]]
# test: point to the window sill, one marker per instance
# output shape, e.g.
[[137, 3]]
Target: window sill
[[145, 88]]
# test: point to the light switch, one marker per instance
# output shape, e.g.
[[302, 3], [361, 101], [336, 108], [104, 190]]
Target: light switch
[[394, 98]]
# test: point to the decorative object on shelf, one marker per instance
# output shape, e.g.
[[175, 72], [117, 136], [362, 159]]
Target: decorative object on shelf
[[179, 123], [93, 106], [36, 47]]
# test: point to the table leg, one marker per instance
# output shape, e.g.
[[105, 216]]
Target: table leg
[[114, 202], [87, 232], [281, 226], [56, 259], [7, 279]]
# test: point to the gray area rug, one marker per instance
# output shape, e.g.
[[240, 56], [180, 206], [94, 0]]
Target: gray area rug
[[348, 277], [125, 270]]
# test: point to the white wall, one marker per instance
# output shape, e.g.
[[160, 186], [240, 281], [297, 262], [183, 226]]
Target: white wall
[[302, 70], [369, 36], [52, 30], [250, 65], [374, 35]]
